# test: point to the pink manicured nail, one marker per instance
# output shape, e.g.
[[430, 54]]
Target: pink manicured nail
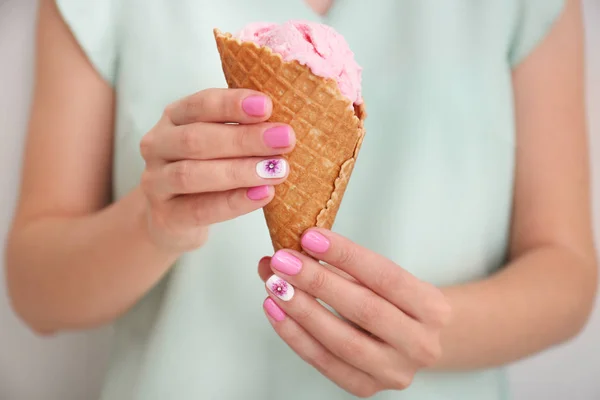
[[258, 192], [264, 259], [315, 242], [273, 310], [255, 106], [285, 262], [277, 137]]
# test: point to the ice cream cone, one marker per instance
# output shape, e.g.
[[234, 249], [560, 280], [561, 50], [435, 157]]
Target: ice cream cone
[[329, 133]]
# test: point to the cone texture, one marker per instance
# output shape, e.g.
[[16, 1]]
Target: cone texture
[[329, 133]]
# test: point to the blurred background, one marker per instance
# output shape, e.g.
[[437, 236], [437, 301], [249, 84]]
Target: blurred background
[[70, 367]]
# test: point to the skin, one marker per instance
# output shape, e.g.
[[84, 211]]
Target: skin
[[542, 297], [382, 300], [320, 6], [68, 245], [86, 247]]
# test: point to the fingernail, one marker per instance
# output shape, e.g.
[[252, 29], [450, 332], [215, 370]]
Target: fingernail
[[270, 169], [315, 242], [280, 288], [277, 137], [255, 106], [264, 259], [285, 262], [258, 192], [273, 310]]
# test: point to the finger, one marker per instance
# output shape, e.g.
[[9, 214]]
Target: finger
[[206, 141], [314, 353], [265, 272], [190, 176], [221, 105], [264, 268], [206, 209], [416, 298], [347, 343], [351, 300]]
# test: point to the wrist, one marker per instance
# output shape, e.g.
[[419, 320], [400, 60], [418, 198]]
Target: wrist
[[152, 240]]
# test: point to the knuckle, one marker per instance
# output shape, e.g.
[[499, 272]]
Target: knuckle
[[321, 359], [188, 139], [243, 136], [217, 102], [199, 212], [193, 105], [228, 106], [368, 311], [169, 110], [351, 347], [146, 146], [231, 201], [288, 332], [364, 389], [425, 352], [400, 380], [318, 281], [441, 312], [387, 280], [347, 255], [232, 172], [180, 175], [303, 313]]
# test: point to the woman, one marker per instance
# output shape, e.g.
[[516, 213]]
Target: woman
[[465, 229]]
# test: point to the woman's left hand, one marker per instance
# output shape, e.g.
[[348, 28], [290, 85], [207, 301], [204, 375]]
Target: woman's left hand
[[395, 319]]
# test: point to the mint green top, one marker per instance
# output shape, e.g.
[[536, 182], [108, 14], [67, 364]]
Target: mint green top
[[432, 189]]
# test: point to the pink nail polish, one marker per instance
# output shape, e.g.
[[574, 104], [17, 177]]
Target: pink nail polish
[[277, 137], [258, 192], [255, 106], [315, 242], [285, 262], [273, 310], [264, 259]]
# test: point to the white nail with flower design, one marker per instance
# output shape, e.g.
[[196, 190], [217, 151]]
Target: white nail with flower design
[[272, 169], [280, 288]]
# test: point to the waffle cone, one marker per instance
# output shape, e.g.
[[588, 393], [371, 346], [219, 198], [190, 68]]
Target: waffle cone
[[329, 134]]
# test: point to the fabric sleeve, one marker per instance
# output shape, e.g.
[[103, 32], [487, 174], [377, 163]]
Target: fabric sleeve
[[534, 19], [94, 24]]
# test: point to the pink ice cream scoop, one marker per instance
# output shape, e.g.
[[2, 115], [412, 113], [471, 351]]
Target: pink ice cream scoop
[[317, 46]]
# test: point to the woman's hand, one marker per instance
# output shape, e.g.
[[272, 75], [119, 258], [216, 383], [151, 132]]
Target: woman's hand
[[202, 169], [395, 318]]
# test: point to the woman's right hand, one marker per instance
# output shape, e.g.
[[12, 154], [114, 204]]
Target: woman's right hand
[[201, 168]]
